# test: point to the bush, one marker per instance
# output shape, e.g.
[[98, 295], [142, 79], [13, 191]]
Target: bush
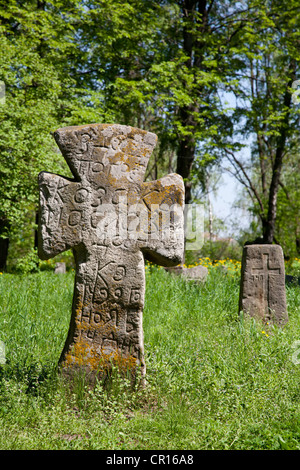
[[28, 263], [215, 250]]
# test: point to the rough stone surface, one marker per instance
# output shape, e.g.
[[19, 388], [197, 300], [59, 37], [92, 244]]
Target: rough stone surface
[[112, 220], [60, 268], [196, 273], [262, 288]]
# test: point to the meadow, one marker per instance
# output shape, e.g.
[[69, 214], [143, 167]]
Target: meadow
[[215, 379]]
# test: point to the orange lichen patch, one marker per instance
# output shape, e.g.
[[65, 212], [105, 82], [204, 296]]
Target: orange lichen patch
[[124, 364], [78, 309], [84, 354], [156, 192]]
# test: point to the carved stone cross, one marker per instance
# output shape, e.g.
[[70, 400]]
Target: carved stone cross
[[262, 288], [112, 220], [264, 274]]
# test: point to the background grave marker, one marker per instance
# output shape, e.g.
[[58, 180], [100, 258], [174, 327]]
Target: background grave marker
[[262, 288]]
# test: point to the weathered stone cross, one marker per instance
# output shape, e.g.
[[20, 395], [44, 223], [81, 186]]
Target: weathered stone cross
[[112, 220], [262, 288], [263, 275]]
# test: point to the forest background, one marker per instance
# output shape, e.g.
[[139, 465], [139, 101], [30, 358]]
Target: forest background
[[217, 81]]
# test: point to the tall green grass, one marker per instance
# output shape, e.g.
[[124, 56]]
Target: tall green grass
[[214, 380]]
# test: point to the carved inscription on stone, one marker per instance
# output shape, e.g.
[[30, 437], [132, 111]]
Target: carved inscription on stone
[[105, 214], [262, 289]]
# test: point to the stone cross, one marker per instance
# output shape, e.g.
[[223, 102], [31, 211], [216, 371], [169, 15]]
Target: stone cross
[[262, 289], [265, 274], [112, 220]]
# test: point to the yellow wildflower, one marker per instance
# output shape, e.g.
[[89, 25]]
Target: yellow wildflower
[[264, 333]]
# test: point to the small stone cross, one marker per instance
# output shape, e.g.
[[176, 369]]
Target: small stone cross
[[262, 288], [263, 275], [112, 220]]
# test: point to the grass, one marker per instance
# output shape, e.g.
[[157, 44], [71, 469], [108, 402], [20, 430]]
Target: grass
[[214, 380]]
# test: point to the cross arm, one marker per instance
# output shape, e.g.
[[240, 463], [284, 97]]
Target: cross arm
[[58, 215], [164, 201]]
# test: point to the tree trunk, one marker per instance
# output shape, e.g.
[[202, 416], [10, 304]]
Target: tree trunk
[[269, 228], [4, 244], [195, 16], [186, 155], [297, 240], [36, 236]]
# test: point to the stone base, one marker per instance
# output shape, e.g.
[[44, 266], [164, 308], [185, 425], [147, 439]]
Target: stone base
[[196, 273], [262, 288], [74, 373]]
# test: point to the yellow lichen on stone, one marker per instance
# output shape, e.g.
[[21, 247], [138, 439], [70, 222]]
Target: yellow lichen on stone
[[83, 354]]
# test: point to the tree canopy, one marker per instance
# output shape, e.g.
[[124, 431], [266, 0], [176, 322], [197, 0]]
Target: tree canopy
[[167, 66]]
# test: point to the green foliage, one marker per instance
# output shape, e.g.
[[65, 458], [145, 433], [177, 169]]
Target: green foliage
[[288, 222], [29, 263], [293, 267], [33, 95], [37, 44], [166, 66], [264, 66], [215, 250], [214, 380]]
